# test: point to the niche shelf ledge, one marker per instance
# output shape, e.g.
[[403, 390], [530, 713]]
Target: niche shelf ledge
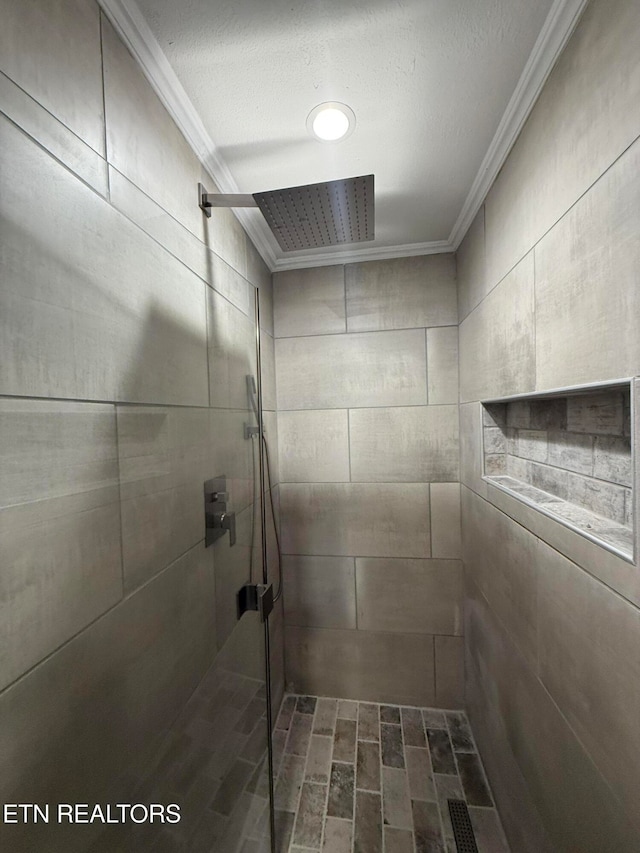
[[568, 454]]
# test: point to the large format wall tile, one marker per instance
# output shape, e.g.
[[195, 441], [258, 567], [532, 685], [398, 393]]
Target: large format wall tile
[[342, 371], [402, 293], [54, 136], [224, 235], [471, 267], [445, 521], [268, 371], [314, 446], [578, 808], [442, 365], [584, 118], [178, 240], [471, 453], [143, 142], [165, 457], [309, 302], [51, 49], [506, 575], [587, 298], [59, 525], [449, 660], [355, 519], [320, 591], [593, 675], [497, 347], [107, 315], [232, 353], [417, 443], [378, 667], [409, 596], [75, 724]]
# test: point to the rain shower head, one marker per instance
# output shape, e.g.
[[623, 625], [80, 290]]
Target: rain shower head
[[310, 216]]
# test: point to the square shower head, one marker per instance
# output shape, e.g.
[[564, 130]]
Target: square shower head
[[316, 215]]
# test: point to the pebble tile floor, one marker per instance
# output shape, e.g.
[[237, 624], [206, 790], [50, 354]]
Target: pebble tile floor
[[358, 777]]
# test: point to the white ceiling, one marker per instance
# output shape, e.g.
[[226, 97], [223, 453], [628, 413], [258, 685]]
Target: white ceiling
[[439, 89]]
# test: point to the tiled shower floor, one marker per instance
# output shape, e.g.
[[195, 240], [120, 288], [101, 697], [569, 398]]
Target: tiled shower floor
[[357, 777]]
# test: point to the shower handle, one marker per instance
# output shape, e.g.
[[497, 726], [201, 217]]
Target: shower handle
[[224, 521]]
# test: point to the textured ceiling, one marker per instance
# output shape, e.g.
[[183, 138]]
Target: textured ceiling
[[428, 80]]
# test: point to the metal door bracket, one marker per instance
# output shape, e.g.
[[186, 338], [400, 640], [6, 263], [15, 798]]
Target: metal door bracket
[[255, 597]]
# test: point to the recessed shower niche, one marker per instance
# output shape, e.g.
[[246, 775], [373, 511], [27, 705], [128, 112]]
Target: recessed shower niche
[[568, 454]]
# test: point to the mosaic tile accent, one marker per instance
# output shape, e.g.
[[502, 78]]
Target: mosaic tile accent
[[376, 779], [570, 455]]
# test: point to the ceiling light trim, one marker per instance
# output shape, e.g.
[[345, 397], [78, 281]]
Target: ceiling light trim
[[138, 37], [555, 33]]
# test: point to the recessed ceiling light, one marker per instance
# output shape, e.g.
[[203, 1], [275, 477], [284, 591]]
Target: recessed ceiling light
[[331, 121]]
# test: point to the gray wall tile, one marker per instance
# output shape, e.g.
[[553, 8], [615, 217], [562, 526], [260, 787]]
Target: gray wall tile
[[309, 302], [471, 469], [596, 288], [418, 443], [497, 353], [268, 366], [401, 293], [601, 413], [591, 674], [179, 241], [532, 444], [471, 267], [380, 667], [67, 78], [355, 519], [409, 596], [108, 694], [450, 685], [53, 135], [507, 576], [339, 371], [446, 537], [571, 451], [585, 815], [109, 319], [165, 457], [259, 275], [587, 109], [232, 353], [59, 525], [143, 142], [320, 592], [270, 421], [442, 364], [314, 446]]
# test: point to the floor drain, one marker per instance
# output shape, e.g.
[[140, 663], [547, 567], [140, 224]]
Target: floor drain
[[462, 829]]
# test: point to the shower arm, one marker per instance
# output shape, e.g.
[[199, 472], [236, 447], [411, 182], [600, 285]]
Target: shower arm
[[208, 200]]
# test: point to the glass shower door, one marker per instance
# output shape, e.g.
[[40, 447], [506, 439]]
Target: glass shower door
[[148, 731]]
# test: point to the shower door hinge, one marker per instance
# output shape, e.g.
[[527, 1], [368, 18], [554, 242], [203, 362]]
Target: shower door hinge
[[255, 597]]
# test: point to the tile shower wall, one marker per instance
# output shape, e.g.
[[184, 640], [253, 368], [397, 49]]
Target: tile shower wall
[[367, 383], [548, 297], [126, 333]]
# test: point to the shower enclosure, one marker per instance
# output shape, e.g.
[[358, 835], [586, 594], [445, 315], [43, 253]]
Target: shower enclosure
[[149, 729]]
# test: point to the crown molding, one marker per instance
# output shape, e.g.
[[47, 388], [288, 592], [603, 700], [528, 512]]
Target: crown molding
[[352, 256], [140, 40], [558, 26], [138, 37]]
